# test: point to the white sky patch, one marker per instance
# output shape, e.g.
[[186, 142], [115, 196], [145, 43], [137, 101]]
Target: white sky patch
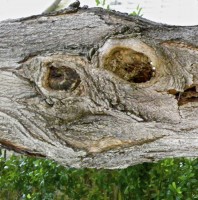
[[176, 12], [11, 9]]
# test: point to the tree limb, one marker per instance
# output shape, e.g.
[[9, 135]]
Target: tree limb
[[97, 88]]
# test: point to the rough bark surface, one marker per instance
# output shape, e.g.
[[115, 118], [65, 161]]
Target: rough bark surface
[[96, 88]]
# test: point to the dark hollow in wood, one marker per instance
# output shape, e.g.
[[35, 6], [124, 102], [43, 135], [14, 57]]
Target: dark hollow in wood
[[189, 95], [129, 65], [63, 78]]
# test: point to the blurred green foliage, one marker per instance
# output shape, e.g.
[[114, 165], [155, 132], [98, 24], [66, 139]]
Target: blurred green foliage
[[100, 2], [136, 12], [39, 179]]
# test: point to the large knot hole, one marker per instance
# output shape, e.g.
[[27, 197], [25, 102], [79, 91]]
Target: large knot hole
[[129, 65]]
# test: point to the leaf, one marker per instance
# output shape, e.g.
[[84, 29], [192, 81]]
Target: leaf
[[174, 185], [97, 2]]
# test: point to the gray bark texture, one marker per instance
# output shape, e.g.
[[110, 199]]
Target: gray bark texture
[[98, 89]]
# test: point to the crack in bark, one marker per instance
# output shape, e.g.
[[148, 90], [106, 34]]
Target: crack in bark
[[19, 149], [181, 44], [107, 144]]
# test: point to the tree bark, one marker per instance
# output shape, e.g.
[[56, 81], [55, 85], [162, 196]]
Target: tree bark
[[98, 88]]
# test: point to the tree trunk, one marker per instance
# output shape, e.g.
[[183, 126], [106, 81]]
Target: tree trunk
[[98, 88]]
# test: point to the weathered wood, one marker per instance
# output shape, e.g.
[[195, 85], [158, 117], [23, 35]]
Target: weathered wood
[[96, 88]]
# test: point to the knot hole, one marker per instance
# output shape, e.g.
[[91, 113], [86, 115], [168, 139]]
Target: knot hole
[[129, 65], [62, 78]]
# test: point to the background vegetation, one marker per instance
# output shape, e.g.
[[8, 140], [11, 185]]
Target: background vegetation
[[39, 179]]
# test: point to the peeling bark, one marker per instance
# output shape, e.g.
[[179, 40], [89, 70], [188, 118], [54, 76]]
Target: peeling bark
[[96, 88]]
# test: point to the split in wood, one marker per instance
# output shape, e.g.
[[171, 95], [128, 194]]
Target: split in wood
[[189, 95]]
